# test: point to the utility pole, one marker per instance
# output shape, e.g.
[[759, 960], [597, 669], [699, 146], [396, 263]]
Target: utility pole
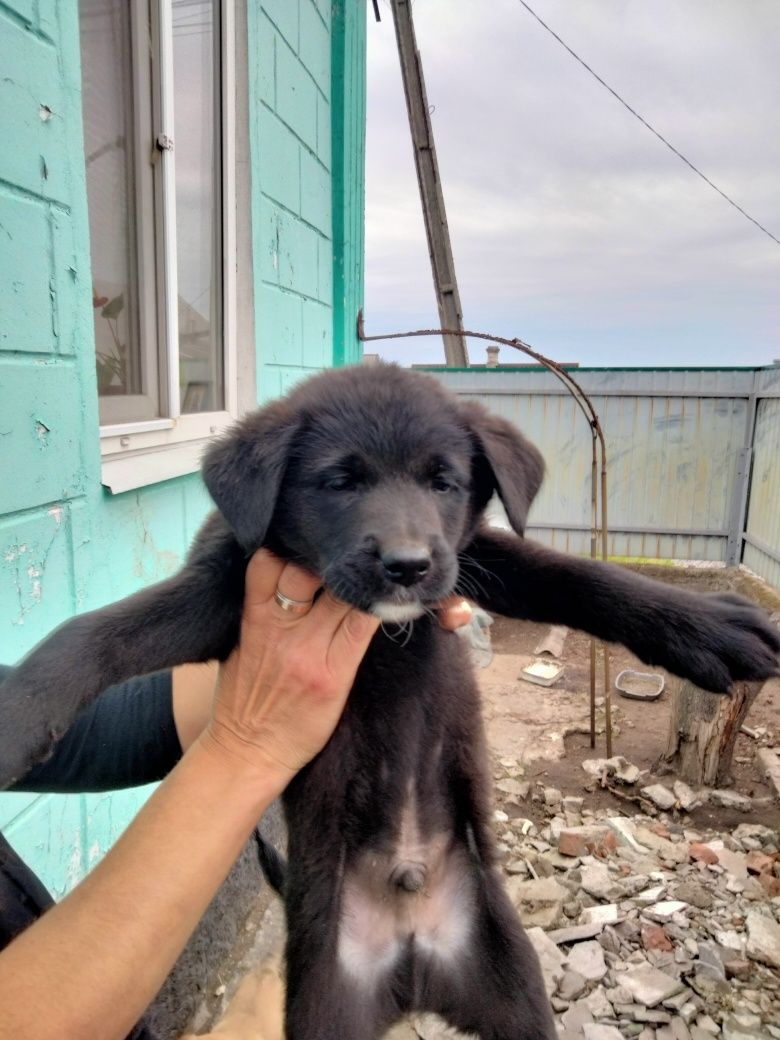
[[434, 213]]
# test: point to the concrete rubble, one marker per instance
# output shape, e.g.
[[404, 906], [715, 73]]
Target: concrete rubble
[[645, 926], [651, 929], [769, 762]]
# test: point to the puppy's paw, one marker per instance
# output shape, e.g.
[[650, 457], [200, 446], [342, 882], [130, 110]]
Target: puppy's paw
[[726, 640]]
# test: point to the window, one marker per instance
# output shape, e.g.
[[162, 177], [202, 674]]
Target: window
[[156, 79]]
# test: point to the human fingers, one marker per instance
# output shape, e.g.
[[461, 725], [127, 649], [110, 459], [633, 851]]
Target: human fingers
[[266, 575], [324, 618], [454, 612], [262, 577], [349, 644], [295, 587], [319, 629]]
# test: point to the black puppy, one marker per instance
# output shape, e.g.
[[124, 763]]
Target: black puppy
[[375, 479]]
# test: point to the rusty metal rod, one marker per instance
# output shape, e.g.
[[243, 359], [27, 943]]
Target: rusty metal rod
[[604, 554], [594, 519]]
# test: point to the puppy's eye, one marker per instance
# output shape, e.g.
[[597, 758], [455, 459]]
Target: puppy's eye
[[441, 484], [343, 482]]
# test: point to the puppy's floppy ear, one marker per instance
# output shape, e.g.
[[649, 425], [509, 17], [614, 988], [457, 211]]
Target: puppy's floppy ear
[[243, 470], [504, 462]]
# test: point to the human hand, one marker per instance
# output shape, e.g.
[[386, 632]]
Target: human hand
[[282, 691], [195, 685], [454, 612]]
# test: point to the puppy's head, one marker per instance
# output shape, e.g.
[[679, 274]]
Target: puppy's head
[[373, 478]]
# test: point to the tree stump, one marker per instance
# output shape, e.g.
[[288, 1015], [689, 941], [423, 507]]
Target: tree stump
[[703, 730]]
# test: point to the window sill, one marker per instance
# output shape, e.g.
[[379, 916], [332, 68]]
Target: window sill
[[136, 456], [130, 472]]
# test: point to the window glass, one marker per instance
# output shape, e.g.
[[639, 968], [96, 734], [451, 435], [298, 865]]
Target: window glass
[[197, 136], [107, 80]]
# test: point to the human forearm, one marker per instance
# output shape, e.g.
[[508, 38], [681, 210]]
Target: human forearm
[[129, 919], [89, 967]]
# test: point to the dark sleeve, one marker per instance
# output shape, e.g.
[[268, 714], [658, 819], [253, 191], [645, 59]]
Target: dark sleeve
[[125, 738]]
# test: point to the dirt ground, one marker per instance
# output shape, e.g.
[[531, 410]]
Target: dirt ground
[[547, 729]]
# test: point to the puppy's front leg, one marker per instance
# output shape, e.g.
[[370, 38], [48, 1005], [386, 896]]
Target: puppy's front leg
[[193, 616], [713, 640]]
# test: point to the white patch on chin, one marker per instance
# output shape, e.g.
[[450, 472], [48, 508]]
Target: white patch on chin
[[397, 613]]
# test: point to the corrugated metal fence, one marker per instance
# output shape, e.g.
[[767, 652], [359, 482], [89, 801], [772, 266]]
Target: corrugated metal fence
[[679, 448], [762, 530]]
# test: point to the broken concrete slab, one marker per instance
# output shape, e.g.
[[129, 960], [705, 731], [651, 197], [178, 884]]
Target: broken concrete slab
[[769, 763], [598, 1031], [623, 770], [576, 932], [649, 895], [572, 985], [734, 862], [550, 957], [665, 910], [604, 915], [516, 789], [580, 841], [553, 641], [686, 797], [660, 796], [731, 800], [625, 832], [649, 986], [587, 959], [763, 942], [577, 1017], [599, 883]]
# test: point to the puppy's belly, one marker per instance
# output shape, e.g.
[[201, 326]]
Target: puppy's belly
[[380, 921]]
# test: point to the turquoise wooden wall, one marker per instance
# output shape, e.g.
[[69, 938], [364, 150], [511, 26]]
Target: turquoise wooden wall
[[307, 137], [66, 544]]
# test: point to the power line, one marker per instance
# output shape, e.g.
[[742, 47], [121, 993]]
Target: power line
[[645, 123]]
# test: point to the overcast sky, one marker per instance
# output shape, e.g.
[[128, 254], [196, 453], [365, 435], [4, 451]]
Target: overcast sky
[[572, 226]]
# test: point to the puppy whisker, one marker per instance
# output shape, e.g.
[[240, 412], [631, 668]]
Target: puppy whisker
[[470, 561], [471, 587], [401, 628]]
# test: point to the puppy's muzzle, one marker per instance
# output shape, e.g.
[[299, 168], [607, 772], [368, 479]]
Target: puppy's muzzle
[[406, 565]]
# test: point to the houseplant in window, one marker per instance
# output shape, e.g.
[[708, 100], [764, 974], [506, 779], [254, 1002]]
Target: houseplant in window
[[111, 364]]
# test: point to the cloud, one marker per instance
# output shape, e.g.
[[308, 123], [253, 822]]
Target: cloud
[[572, 226]]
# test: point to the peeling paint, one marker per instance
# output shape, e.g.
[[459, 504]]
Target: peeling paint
[[149, 562], [274, 250], [75, 867], [45, 113], [42, 431], [28, 580], [56, 513], [53, 298], [34, 576]]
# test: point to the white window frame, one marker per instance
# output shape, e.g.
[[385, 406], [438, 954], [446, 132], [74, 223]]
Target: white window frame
[[135, 454]]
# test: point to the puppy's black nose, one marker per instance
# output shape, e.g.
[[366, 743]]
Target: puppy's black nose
[[406, 566]]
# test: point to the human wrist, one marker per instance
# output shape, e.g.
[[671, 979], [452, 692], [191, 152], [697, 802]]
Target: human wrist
[[243, 762]]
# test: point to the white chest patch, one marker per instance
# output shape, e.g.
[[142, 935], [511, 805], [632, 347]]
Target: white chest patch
[[398, 613], [380, 920]]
